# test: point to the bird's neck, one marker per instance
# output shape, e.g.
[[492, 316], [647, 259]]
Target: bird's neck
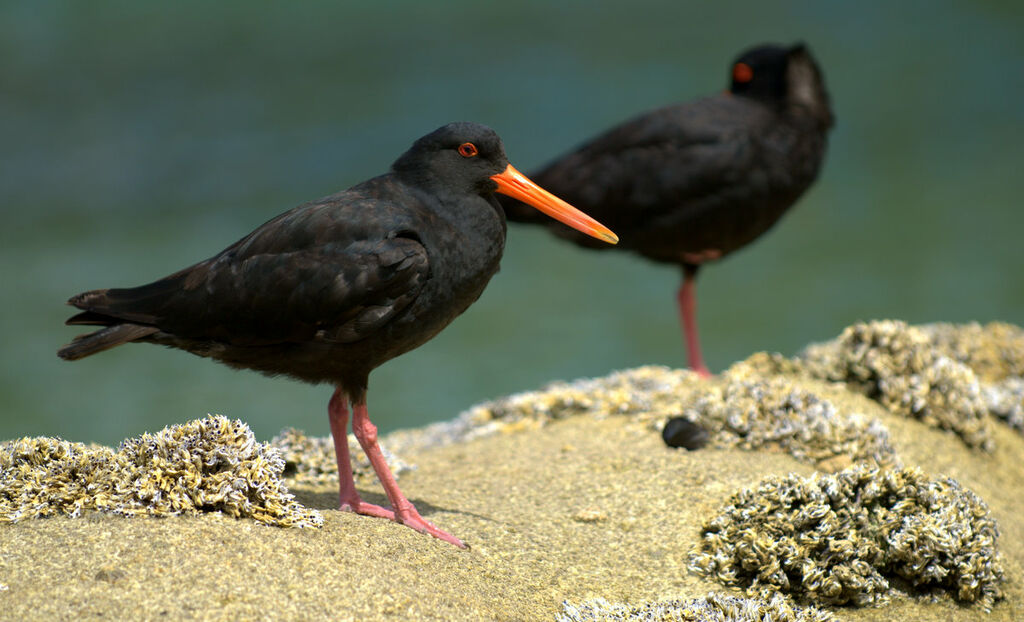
[[806, 96]]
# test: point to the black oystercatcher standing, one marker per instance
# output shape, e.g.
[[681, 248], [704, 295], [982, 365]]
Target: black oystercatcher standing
[[691, 183], [331, 289]]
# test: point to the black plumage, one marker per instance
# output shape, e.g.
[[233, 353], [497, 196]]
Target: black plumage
[[690, 183], [328, 291]]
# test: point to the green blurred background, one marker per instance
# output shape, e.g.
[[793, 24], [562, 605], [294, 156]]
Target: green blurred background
[[137, 138]]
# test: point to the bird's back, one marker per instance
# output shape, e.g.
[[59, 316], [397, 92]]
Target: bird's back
[[713, 173], [322, 276]]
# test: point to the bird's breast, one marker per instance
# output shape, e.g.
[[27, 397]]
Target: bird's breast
[[463, 255]]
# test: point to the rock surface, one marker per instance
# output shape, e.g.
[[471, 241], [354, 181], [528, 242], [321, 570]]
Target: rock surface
[[569, 495]]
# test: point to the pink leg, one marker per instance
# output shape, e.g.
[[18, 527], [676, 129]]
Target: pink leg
[[337, 410], [405, 512], [687, 299]]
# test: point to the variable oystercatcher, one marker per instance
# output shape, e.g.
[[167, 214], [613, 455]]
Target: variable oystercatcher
[[693, 182], [328, 291]]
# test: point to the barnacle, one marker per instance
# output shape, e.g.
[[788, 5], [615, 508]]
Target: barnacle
[[641, 390], [714, 607], [840, 539], [312, 461], [747, 412], [947, 375], [994, 351], [1005, 399], [755, 413], [649, 394], [211, 464]]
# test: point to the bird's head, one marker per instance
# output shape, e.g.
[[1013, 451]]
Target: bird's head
[[469, 159], [461, 157], [782, 76]]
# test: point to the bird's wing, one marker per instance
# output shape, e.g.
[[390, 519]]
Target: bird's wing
[[306, 275]]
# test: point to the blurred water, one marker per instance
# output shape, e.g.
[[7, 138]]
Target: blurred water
[[137, 138]]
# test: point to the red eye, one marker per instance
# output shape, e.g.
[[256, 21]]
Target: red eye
[[741, 72], [468, 150]]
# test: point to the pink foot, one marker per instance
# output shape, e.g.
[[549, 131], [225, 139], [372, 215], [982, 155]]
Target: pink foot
[[413, 520], [405, 511], [367, 509]]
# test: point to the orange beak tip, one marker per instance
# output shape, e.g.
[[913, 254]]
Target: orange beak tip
[[516, 185]]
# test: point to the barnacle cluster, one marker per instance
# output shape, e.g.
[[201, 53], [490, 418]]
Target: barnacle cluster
[[994, 351], [755, 413], [1005, 399], [311, 460], [48, 476], [714, 607], [649, 393], [746, 412], [841, 538], [649, 389], [908, 372], [207, 465]]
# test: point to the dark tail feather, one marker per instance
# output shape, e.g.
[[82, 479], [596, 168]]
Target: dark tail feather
[[88, 318], [104, 339], [135, 305]]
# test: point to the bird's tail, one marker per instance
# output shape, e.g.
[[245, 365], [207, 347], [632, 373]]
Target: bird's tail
[[116, 311], [104, 339]]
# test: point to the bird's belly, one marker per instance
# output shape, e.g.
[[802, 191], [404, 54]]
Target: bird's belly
[[712, 228], [451, 288], [326, 361]]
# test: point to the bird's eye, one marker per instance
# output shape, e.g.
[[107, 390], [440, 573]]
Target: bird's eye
[[468, 150], [741, 72]]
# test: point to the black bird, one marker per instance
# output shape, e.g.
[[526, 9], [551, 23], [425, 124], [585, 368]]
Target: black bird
[[690, 183], [328, 291]]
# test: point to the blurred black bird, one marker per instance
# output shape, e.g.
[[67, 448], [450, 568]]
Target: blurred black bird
[[690, 183], [328, 291]]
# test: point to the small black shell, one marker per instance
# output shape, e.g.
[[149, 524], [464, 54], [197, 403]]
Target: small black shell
[[683, 432]]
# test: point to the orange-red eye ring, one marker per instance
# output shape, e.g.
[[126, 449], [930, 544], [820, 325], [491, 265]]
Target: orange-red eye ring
[[741, 72], [468, 150]]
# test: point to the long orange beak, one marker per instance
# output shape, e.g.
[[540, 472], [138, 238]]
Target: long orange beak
[[518, 186]]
